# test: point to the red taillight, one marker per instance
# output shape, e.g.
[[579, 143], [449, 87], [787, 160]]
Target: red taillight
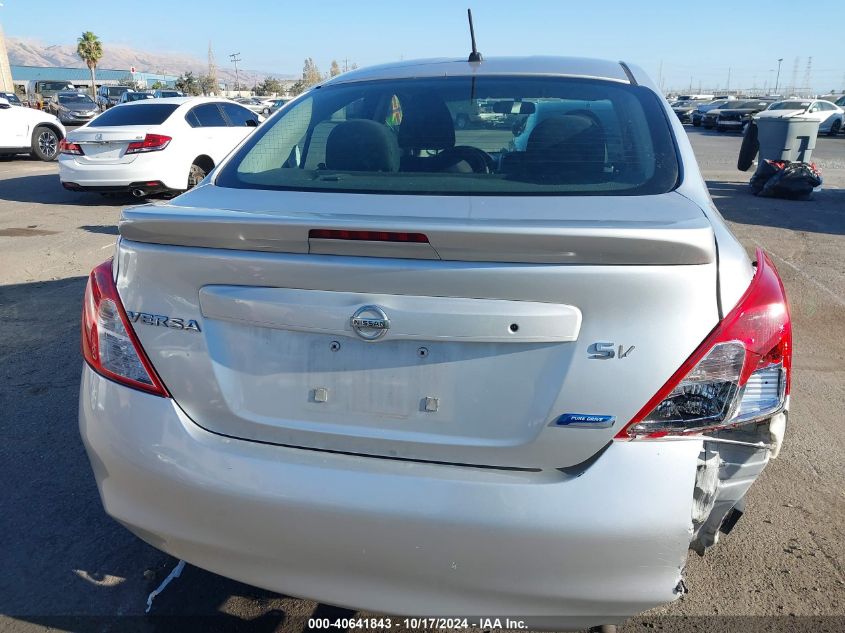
[[151, 143], [369, 236], [740, 373], [109, 344], [74, 149]]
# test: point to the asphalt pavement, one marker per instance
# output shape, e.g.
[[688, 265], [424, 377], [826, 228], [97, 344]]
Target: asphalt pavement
[[66, 566]]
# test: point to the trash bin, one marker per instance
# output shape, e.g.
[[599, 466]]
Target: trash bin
[[789, 138]]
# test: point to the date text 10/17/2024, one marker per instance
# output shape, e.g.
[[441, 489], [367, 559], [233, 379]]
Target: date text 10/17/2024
[[370, 624]]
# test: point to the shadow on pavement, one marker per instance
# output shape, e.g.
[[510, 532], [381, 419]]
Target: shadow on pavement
[[65, 563], [824, 213], [46, 189], [103, 229]]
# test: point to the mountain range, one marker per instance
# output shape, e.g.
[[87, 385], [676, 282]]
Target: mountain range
[[31, 52]]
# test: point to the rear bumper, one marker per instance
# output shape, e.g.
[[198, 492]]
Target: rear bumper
[[118, 176], [394, 536], [148, 187]]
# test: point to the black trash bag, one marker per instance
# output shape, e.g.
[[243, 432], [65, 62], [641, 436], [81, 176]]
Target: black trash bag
[[765, 171], [795, 181], [749, 148]]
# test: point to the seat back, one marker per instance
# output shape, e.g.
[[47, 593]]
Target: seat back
[[567, 147], [362, 145]]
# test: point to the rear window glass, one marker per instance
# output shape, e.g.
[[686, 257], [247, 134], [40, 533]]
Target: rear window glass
[[464, 136], [206, 115], [140, 114], [238, 115]]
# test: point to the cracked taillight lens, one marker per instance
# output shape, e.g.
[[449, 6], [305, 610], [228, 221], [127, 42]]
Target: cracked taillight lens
[[109, 344], [739, 374]]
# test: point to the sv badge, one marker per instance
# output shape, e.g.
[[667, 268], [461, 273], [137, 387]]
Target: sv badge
[[606, 351]]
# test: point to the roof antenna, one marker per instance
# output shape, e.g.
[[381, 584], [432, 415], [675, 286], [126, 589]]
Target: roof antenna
[[474, 56]]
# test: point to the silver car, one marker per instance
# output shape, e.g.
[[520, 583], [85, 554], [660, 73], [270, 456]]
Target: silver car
[[382, 363]]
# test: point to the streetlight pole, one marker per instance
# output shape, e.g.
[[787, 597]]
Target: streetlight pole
[[777, 80], [234, 57]]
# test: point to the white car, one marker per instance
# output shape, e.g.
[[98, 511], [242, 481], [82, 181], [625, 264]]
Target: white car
[[153, 146], [380, 362], [29, 131], [829, 115]]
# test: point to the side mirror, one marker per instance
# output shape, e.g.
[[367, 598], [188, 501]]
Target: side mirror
[[251, 123]]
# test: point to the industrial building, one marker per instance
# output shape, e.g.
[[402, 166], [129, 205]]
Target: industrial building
[[81, 77]]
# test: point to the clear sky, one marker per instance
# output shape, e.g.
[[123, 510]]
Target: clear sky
[[698, 42]]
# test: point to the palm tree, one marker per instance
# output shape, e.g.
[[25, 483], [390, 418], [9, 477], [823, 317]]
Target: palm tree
[[90, 50]]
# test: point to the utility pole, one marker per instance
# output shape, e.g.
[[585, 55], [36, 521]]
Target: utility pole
[[728, 85], [235, 58], [777, 79], [212, 70]]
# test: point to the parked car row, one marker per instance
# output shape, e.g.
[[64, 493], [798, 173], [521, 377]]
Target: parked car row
[[110, 96], [684, 107], [725, 114], [730, 116]]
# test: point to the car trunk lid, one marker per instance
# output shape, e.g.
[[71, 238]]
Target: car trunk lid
[[489, 350], [107, 145]]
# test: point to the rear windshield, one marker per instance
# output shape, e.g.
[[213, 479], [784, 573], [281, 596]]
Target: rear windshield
[[464, 136], [139, 114], [169, 93], [116, 92]]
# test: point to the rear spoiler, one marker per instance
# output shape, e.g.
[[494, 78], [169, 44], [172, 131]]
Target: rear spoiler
[[689, 241]]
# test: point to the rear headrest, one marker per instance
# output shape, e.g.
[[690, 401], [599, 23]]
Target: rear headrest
[[362, 145], [426, 124], [567, 144]]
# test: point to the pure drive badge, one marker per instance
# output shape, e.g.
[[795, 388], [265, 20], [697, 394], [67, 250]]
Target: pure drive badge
[[585, 420], [163, 321]]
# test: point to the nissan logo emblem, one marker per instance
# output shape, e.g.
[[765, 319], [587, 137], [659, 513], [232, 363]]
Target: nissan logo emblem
[[370, 323]]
